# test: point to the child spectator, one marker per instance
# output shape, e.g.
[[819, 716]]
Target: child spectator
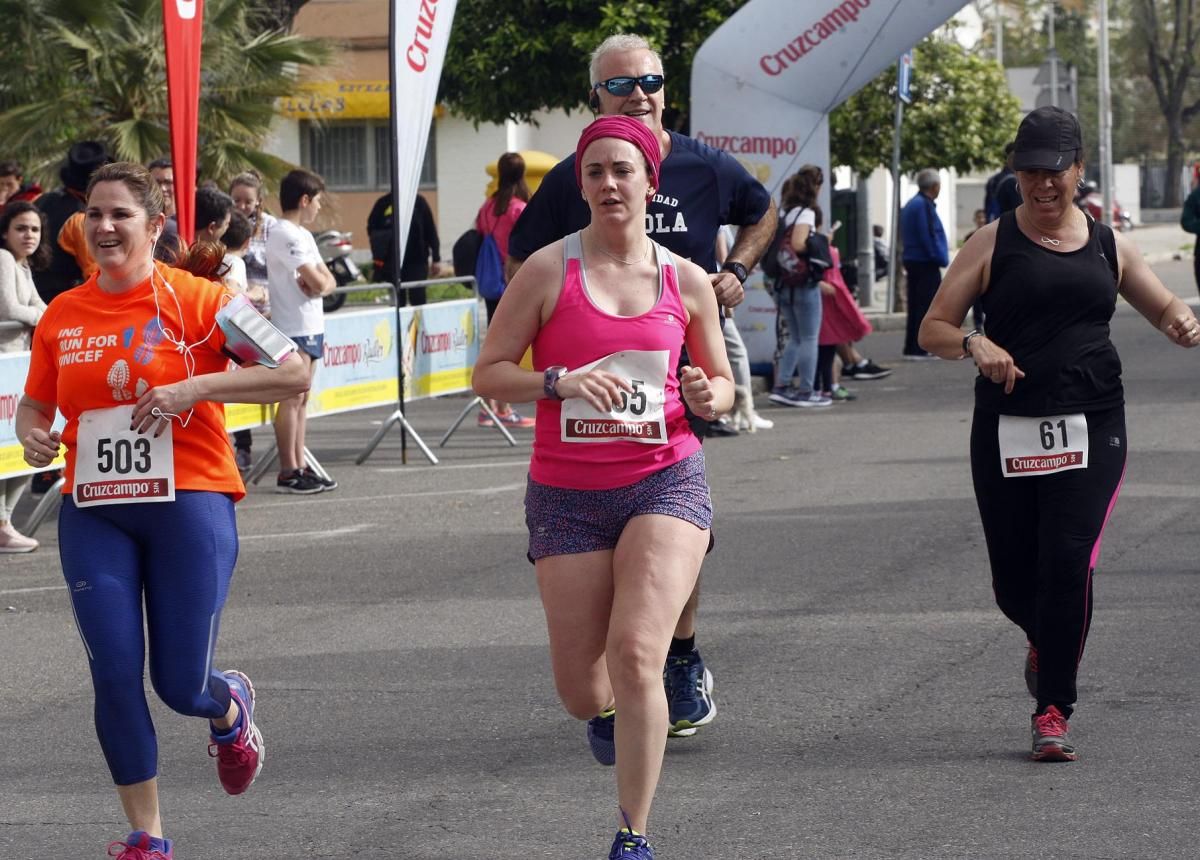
[[298, 278]]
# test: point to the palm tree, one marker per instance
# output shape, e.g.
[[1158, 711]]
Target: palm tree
[[95, 70]]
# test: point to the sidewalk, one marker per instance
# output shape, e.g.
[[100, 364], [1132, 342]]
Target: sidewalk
[[1158, 242]]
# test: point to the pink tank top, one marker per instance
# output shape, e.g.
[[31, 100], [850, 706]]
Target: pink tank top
[[575, 447]]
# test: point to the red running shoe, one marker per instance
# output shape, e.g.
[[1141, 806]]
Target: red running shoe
[[1050, 742], [239, 758], [137, 847]]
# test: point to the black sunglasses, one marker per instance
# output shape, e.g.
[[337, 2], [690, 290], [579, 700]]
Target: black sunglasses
[[623, 86]]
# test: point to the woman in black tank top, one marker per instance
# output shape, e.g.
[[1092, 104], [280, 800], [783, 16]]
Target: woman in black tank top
[[1048, 435]]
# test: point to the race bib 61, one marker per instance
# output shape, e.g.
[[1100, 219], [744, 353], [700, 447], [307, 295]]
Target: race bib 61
[[1042, 446]]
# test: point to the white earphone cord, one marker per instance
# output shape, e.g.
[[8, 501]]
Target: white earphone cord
[[181, 346]]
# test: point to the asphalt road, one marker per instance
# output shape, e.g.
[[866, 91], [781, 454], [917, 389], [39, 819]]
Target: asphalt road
[[870, 694]]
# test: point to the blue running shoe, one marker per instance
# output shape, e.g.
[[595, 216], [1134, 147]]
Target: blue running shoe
[[689, 694], [601, 734], [628, 844]]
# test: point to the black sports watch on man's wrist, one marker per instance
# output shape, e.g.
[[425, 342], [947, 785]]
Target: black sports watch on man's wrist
[[737, 270]]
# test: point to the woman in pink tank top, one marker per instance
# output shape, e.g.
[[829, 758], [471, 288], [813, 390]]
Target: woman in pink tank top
[[617, 506]]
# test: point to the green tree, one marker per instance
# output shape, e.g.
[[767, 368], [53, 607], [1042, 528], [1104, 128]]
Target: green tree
[[961, 115], [1161, 45], [508, 59], [95, 69]]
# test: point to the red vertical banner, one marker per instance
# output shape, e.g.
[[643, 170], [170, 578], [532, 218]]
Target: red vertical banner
[[183, 25]]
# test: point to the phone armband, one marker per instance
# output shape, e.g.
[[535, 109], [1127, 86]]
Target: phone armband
[[250, 337]]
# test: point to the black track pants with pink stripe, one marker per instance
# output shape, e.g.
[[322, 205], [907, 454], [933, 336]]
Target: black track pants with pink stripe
[[1043, 538]]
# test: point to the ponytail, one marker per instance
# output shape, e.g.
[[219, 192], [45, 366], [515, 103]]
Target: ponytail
[[204, 259]]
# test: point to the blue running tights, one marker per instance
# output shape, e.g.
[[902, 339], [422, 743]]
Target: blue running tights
[[176, 556]]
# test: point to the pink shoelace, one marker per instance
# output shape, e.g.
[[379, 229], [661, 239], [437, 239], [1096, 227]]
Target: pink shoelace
[[1051, 723]]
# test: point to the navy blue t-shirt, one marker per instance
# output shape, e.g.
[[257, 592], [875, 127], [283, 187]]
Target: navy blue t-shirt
[[702, 188]]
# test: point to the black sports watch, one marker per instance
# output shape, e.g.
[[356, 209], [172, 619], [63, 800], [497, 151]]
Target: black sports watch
[[737, 270], [966, 344], [550, 379]]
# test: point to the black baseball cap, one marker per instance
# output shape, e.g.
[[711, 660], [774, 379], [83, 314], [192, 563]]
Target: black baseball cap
[[1047, 139]]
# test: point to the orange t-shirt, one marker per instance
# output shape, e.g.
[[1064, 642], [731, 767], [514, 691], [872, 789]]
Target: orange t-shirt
[[96, 350]]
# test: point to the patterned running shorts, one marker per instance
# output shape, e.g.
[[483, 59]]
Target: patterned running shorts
[[564, 522]]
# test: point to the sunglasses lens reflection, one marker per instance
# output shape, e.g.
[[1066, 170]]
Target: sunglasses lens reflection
[[650, 84]]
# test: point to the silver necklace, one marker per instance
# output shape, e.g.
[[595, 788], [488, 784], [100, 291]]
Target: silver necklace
[[1048, 241], [622, 260]]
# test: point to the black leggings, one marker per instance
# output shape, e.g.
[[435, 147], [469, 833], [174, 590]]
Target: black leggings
[[823, 379], [1043, 538]]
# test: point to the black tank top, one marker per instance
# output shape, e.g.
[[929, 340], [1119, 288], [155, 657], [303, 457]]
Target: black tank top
[[1051, 311]]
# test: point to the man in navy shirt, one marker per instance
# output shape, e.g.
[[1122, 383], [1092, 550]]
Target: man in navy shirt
[[701, 188], [925, 253]]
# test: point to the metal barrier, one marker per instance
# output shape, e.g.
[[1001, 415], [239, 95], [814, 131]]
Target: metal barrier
[[14, 369], [398, 416]]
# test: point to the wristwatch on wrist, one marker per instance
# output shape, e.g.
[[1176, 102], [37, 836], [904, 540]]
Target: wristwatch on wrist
[[550, 379], [966, 344], [737, 269]]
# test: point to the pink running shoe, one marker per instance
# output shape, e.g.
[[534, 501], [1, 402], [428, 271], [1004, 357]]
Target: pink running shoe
[[240, 758], [137, 847], [1050, 742], [516, 419]]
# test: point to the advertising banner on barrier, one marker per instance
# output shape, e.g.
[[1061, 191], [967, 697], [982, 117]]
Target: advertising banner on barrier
[[439, 347], [443, 342], [14, 366], [438, 344], [358, 370]]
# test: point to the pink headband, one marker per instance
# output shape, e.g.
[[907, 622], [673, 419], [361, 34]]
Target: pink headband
[[622, 128]]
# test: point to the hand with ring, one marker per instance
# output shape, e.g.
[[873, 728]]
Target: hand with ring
[[41, 447], [1184, 330]]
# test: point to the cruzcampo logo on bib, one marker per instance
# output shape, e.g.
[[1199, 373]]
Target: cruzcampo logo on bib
[[637, 417], [1042, 446]]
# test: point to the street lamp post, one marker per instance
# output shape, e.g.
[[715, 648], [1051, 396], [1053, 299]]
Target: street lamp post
[[999, 35], [1053, 57], [1105, 92]]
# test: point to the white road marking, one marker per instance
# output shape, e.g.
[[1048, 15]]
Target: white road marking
[[504, 464], [468, 491], [323, 533]]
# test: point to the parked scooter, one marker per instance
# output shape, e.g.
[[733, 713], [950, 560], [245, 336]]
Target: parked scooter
[[335, 247], [1090, 200]]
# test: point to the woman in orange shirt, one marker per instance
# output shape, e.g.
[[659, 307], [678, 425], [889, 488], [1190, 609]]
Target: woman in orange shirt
[[134, 361]]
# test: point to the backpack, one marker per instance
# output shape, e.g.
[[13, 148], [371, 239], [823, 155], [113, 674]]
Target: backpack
[[489, 269], [797, 269], [770, 257]]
